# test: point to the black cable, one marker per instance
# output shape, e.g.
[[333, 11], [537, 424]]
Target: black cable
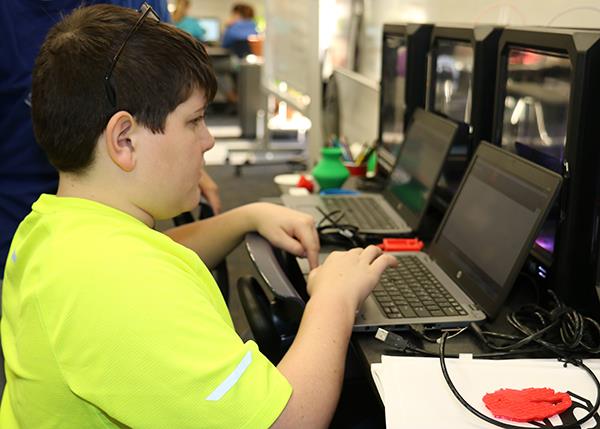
[[560, 330], [419, 330], [403, 345], [495, 422], [331, 231]]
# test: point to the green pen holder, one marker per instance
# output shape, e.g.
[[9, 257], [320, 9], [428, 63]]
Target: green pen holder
[[372, 165], [330, 172]]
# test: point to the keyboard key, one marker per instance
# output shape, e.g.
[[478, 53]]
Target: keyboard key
[[422, 312], [450, 311], [407, 311]]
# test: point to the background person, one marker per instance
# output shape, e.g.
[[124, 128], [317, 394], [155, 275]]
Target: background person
[[237, 29], [185, 22]]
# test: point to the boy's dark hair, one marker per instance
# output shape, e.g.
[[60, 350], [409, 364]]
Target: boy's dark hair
[[158, 70], [243, 10]]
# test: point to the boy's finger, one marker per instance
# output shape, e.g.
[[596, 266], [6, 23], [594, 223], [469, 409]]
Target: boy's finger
[[370, 253], [382, 262]]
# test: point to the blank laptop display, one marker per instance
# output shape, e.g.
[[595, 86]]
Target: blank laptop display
[[399, 209], [477, 253]]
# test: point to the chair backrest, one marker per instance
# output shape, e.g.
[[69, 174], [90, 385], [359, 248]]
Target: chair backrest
[[273, 323], [257, 310]]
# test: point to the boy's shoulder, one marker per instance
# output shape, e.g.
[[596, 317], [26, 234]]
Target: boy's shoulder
[[82, 239]]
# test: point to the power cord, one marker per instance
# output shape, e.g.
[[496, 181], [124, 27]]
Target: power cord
[[561, 330], [574, 362], [403, 345], [331, 231]]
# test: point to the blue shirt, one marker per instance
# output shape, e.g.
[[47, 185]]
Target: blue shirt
[[191, 26], [239, 30], [25, 172]]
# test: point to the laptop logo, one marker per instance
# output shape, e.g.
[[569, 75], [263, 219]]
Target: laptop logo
[[459, 274]]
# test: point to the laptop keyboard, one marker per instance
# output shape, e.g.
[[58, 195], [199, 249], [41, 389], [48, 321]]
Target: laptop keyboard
[[411, 290], [364, 213]]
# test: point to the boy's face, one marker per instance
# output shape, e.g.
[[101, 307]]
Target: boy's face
[[172, 163]]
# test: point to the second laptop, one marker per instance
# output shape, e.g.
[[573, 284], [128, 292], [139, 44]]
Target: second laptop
[[400, 208]]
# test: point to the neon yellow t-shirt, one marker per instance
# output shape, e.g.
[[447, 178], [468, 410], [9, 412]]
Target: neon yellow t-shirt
[[108, 323]]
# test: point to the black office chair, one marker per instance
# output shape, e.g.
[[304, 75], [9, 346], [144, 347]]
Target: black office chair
[[273, 323], [220, 272]]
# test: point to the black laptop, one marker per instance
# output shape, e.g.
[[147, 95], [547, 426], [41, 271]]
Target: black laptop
[[478, 250], [400, 208]]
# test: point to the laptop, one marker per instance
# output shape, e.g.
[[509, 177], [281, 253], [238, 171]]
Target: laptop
[[477, 252], [212, 29], [400, 208]]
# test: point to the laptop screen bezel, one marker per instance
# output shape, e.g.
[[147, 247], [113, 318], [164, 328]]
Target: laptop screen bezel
[[444, 127], [531, 173]]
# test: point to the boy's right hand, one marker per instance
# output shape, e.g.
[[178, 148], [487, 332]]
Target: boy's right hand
[[350, 275]]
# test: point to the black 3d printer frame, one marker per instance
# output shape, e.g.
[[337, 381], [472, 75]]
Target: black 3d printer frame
[[417, 45], [484, 39], [574, 269]]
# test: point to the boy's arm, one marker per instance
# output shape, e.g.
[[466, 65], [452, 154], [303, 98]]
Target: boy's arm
[[314, 364], [213, 238], [210, 191]]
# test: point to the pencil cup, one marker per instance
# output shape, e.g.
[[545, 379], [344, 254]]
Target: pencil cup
[[329, 171], [356, 170]]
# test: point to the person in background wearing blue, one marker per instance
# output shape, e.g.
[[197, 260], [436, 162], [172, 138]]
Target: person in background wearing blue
[[240, 26], [25, 172], [186, 23]]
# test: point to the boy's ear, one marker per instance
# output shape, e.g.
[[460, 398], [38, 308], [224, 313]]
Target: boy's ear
[[119, 145]]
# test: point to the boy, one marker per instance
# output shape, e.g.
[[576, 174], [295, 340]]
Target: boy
[[108, 323]]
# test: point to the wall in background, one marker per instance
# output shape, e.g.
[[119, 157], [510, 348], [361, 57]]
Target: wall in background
[[555, 13]]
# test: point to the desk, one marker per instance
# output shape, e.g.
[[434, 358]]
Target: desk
[[217, 51], [286, 282]]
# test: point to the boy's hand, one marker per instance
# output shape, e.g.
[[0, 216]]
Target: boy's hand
[[287, 229], [352, 275]]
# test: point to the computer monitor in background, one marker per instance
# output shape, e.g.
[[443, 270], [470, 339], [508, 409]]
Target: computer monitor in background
[[461, 84], [453, 79], [402, 86], [546, 110], [212, 29], [358, 104]]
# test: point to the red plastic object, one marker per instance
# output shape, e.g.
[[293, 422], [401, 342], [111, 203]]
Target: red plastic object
[[356, 170], [401, 245], [527, 405], [303, 182]]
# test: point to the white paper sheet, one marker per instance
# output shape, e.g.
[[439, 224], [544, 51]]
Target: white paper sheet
[[416, 395]]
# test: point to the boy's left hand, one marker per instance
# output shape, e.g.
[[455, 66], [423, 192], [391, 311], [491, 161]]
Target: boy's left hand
[[288, 229]]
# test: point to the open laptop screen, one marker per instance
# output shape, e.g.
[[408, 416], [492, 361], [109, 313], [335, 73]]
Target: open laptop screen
[[428, 140], [358, 106], [491, 224], [212, 29]]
